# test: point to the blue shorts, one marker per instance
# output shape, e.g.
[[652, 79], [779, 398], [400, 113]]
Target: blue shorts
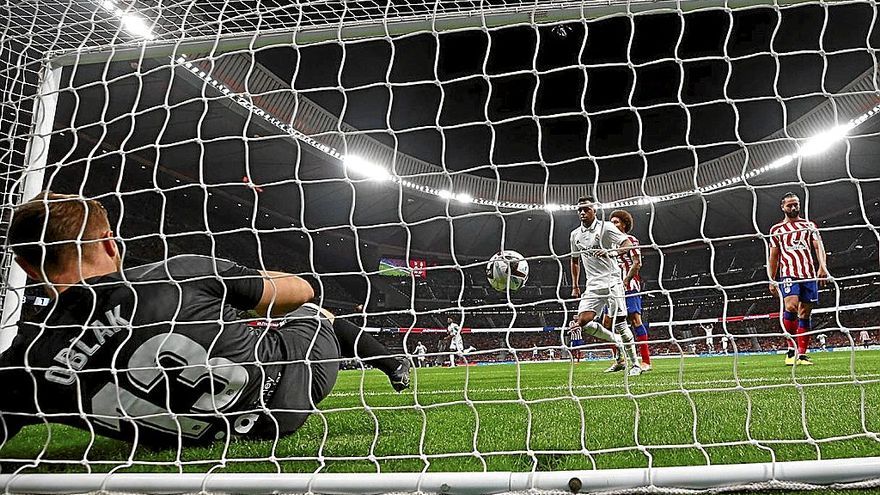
[[575, 343], [806, 290], [633, 302]]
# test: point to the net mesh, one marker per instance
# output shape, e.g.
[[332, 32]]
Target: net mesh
[[385, 151]]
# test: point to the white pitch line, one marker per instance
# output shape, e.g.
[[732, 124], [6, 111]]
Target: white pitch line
[[633, 383]]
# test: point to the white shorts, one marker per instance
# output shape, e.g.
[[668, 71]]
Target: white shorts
[[456, 345], [596, 299]]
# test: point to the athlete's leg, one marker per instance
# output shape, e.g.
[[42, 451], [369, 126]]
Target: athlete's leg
[[354, 342], [805, 309], [790, 323], [635, 322]]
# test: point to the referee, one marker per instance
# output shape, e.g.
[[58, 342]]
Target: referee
[[156, 354]]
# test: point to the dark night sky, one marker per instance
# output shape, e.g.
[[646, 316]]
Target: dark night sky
[[415, 91]]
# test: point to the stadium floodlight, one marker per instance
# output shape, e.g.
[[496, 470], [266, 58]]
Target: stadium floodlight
[[552, 207], [136, 26], [357, 165], [824, 140], [132, 23], [779, 162], [464, 198], [445, 193]]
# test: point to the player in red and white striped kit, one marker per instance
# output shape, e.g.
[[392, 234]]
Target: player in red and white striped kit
[[791, 271]]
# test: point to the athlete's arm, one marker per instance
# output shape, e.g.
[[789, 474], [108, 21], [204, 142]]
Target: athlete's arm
[[282, 293], [575, 268], [821, 258], [575, 277], [625, 245], [772, 268], [634, 269]]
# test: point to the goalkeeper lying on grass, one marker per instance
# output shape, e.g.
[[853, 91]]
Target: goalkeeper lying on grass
[[155, 354]]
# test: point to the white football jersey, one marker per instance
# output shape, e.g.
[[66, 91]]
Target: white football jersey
[[590, 243], [453, 329]]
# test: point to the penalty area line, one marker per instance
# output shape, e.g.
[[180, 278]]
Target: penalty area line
[[470, 390]]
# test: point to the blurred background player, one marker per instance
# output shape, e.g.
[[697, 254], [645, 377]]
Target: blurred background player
[[791, 270], [596, 243], [630, 262], [725, 341], [575, 340], [865, 338], [420, 352], [823, 341], [709, 328], [456, 343]]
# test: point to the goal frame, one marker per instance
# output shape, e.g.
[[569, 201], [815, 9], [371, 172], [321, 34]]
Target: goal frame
[[840, 473], [791, 474]]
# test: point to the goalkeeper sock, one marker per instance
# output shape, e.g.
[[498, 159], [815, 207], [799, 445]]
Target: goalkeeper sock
[[803, 339], [629, 341], [348, 334]]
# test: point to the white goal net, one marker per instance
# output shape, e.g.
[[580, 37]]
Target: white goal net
[[382, 152]]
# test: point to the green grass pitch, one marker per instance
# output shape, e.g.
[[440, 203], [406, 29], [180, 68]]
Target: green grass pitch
[[544, 416]]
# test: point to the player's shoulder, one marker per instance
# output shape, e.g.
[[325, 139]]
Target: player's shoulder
[[778, 226], [632, 239], [179, 268]]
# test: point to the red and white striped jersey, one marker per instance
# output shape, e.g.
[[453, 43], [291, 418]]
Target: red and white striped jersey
[[795, 240], [625, 261], [575, 333]]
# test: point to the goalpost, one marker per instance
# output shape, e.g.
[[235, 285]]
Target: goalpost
[[53, 48]]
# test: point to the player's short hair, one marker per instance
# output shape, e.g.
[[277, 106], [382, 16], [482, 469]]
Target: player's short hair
[[47, 220], [789, 194], [625, 218], [586, 199]]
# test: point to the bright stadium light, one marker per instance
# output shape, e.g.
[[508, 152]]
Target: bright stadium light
[[444, 193], [779, 162], [359, 166], [136, 26], [133, 24], [464, 198], [824, 140]]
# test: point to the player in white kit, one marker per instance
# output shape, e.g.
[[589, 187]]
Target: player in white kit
[[420, 352], [593, 244], [709, 328], [456, 344], [724, 342]]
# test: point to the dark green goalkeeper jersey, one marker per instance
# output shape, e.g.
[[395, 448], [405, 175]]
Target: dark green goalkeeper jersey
[[154, 354]]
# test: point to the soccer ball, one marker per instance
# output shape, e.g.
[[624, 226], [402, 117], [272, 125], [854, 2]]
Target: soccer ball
[[507, 269]]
